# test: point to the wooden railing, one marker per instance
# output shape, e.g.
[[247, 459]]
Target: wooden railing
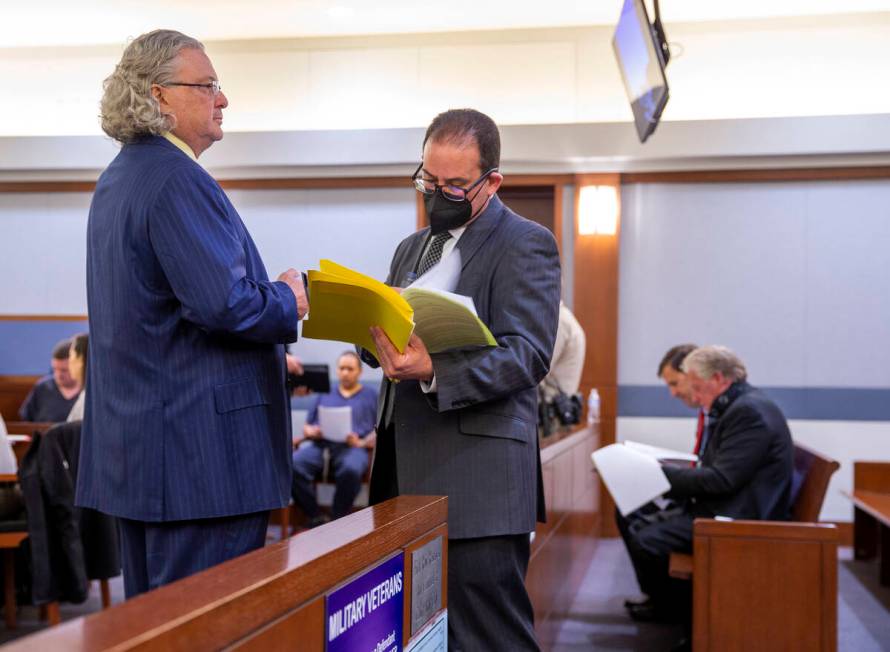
[[272, 598]]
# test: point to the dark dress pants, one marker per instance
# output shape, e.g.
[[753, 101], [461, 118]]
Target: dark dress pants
[[488, 605], [155, 554], [348, 465], [650, 539]]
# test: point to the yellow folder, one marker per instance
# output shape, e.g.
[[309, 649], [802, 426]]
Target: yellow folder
[[344, 304]]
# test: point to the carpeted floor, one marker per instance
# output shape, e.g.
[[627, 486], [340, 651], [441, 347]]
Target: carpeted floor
[[598, 621]]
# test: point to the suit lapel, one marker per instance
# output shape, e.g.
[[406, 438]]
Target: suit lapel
[[479, 231]]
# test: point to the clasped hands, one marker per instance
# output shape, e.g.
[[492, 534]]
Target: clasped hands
[[414, 364]]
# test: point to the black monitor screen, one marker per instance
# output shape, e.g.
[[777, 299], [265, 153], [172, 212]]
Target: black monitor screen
[[641, 67]]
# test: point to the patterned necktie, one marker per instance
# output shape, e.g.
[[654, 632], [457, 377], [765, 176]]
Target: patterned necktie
[[434, 253]]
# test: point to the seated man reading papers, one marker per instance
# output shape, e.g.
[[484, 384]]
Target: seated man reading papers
[[744, 472]]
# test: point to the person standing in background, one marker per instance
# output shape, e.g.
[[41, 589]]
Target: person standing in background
[[186, 431]]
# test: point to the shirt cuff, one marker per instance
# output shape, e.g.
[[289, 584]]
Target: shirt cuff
[[428, 387]]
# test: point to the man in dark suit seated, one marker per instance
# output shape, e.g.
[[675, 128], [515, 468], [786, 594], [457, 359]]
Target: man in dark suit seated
[[53, 396], [463, 423], [670, 370], [348, 459], [744, 472]]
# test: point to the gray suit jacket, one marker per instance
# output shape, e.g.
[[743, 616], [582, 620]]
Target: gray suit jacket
[[475, 439]]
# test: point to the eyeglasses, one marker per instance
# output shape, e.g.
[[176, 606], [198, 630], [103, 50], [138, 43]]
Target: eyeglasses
[[213, 86], [452, 193]]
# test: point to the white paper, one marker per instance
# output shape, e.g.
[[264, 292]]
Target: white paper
[[660, 453], [335, 422], [7, 457], [633, 478]]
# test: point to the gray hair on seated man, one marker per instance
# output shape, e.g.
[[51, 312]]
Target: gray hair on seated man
[[707, 361], [128, 109]]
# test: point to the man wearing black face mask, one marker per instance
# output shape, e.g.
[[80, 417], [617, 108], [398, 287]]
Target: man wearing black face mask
[[462, 423]]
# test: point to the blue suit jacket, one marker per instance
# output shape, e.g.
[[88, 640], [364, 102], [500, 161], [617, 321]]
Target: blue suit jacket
[[187, 413]]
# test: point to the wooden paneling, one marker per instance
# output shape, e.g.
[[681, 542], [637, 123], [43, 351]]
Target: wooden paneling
[[253, 599], [758, 175], [300, 624], [764, 585], [596, 308], [564, 546], [283, 183], [13, 391], [871, 476]]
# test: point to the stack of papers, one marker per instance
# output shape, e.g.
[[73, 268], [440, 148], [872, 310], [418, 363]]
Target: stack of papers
[[335, 422], [632, 472], [344, 304]]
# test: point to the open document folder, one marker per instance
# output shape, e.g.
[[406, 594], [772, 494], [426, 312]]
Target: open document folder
[[632, 477], [344, 304]]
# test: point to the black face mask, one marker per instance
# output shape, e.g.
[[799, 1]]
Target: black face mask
[[444, 214]]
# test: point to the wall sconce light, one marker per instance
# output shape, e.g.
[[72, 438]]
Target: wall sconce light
[[598, 210]]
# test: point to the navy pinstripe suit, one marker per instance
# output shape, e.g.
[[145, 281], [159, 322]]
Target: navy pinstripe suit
[[187, 415]]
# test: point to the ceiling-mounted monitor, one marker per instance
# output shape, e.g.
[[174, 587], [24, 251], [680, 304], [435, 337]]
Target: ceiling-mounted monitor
[[641, 52]]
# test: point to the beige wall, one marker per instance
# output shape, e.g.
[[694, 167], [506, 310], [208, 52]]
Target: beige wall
[[759, 68]]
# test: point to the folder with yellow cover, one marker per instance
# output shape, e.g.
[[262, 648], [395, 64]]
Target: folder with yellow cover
[[344, 304]]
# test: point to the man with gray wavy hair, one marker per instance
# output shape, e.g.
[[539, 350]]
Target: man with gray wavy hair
[[744, 472], [708, 361], [186, 433]]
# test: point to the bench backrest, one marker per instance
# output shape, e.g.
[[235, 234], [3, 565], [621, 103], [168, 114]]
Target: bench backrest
[[812, 471]]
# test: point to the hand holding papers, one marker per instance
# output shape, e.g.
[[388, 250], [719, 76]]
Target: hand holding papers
[[346, 304], [335, 422]]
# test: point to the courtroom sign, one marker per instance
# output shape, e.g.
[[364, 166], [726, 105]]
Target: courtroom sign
[[365, 615], [426, 583]]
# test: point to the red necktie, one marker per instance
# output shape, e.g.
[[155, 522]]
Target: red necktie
[[700, 429]]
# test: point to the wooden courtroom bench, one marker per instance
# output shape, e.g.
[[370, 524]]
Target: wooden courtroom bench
[[13, 391], [764, 584], [273, 598], [871, 514]]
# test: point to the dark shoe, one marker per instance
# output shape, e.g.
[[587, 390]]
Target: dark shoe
[[683, 645], [649, 612], [630, 604]]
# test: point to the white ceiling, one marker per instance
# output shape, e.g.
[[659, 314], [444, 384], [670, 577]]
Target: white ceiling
[[86, 22]]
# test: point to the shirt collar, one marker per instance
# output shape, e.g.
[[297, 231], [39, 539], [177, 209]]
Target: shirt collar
[[181, 144]]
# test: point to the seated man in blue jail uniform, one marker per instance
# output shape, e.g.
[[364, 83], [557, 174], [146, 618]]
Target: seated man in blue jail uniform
[[53, 396], [186, 430], [744, 472], [349, 459]]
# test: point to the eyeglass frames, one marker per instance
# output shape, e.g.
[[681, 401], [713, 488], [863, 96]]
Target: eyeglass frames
[[453, 193], [213, 86]]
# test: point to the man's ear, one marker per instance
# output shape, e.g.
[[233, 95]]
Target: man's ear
[[494, 182], [157, 92]]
